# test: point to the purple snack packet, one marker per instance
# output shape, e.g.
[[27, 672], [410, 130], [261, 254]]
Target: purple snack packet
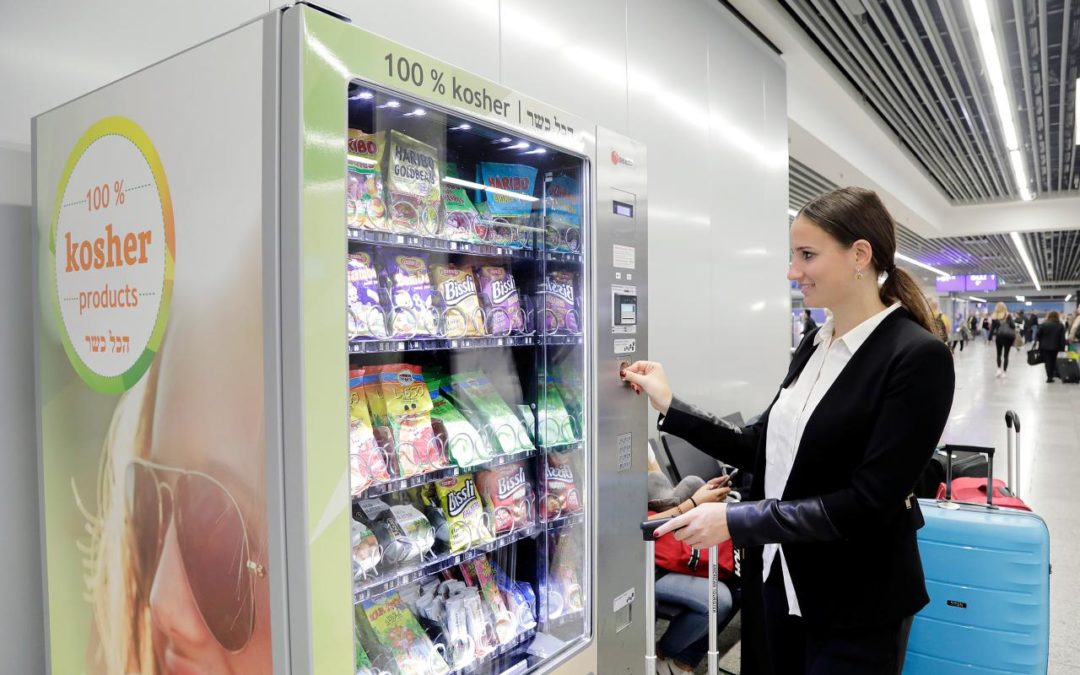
[[502, 302], [560, 308], [367, 317], [411, 313]]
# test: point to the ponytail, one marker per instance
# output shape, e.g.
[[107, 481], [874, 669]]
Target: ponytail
[[900, 287]]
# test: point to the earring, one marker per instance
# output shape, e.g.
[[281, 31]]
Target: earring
[[858, 274]]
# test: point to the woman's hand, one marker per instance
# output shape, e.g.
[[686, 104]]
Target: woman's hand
[[700, 528], [649, 376], [715, 490]]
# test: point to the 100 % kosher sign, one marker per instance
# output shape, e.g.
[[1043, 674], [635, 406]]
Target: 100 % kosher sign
[[414, 73]]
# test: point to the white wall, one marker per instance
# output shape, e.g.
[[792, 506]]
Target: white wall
[[22, 624]]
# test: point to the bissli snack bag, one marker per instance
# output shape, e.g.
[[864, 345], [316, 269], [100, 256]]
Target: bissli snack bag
[[414, 185], [366, 462], [456, 285], [397, 629], [367, 318], [464, 513], [411, 312], [558, 300], [560, 497], [562, 225], [463, 443], [501, 300], [365, 194], [477, 399], [509, 496]]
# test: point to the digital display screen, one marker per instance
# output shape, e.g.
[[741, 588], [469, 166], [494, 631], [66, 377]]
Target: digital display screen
[[621, 209], [950, 284], [981, 282]]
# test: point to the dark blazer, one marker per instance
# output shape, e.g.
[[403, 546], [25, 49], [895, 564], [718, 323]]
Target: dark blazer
[[846, 520], [1052, 336]]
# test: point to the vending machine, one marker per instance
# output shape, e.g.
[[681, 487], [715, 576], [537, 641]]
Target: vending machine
[[329, 336]]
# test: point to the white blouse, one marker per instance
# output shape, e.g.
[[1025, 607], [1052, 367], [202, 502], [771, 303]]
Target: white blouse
[[793, 409]]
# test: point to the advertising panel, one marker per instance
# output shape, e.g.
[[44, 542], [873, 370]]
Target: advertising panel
[[980, 282]]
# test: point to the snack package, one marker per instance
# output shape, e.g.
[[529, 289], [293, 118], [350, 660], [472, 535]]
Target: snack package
[[568, 380], [562, 226], [402, 532], [508, 218], [366, 462], [365, 192], [501, 300], [403, 404], [367, 317], [362, 663], [462, 442], [506, 624], [565, 570], [560, 495], [411, 313], [397, 629], [413, 185], [461, 311], [365, 551], [480, 623], [509, 496], [553, 421], [461, 222], [519, 596], [474, 395], [558, 300], [464, 512]]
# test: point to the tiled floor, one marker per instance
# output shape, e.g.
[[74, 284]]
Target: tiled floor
[[1050, 474]]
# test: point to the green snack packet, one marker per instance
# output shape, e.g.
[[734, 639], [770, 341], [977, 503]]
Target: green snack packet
[[554, 421], [463, 442], [398, 630], [478, 400]]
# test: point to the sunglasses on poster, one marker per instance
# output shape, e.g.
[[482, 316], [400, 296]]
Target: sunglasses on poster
[[212, 539]]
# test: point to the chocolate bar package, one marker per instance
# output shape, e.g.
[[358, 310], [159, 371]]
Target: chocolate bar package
[[365, 190], [367, 316], [414, 185], [558, 303], [460, 306], [411, 312], [501, 300]]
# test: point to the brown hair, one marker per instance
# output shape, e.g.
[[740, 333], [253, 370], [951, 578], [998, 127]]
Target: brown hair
[[849, 214], [1053, 316]]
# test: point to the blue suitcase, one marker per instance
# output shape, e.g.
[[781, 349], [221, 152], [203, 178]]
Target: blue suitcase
[[988, 575]]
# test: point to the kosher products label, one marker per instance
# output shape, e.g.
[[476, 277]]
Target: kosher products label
[[113, 250]]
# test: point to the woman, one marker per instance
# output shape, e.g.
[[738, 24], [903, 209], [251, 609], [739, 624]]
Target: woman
[[685, 643], [961, 334], [829, 523], [1051, 341], [1003, 328]]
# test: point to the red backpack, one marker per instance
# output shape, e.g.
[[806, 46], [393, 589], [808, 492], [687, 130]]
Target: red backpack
[[676, 556]]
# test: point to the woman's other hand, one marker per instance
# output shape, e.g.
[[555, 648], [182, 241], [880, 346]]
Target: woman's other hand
[[715, 490], [649, 377], [700, 528]]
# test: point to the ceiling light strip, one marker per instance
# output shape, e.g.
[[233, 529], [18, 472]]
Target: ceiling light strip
[[988, 47], [913, 261], [1019, 244]]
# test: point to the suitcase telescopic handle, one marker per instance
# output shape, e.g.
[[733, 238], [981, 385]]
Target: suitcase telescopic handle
[[988, 451], [1012, 420]]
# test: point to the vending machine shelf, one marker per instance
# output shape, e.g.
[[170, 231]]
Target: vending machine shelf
[[565, 521], [556, 339], [560, 621], [439, 344], [398, 578], [439, 245], [399, 484], [508, 648]]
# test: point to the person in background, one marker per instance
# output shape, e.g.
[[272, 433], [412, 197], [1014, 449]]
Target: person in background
[[961, 334], [1033, 319], [1021, 322], [1074, 330], [1003, 329], [1051, 341], [808, 323], [942, 325], [986, 326], [973, 324], [685, 643]]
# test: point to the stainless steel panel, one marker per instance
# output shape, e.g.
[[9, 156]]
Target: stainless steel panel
[[620, 494]]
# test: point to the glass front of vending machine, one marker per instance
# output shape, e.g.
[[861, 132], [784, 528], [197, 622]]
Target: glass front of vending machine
[[443, 333], [466, 396]]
